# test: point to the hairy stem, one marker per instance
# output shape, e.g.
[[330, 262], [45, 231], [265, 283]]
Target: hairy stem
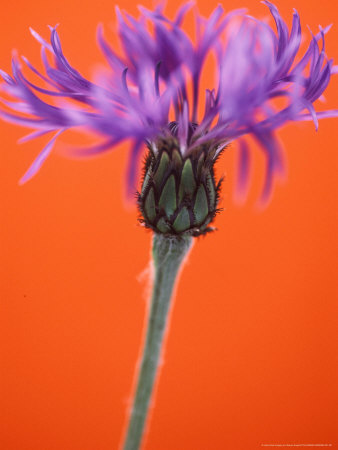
[[168, 255]]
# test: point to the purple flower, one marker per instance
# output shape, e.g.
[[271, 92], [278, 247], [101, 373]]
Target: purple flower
[[152, 91]]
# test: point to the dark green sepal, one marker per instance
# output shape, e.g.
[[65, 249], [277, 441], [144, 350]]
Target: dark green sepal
[[168, 196], [149, 205], [162, 168], [182, 221], [188, 183], [200, 162], [162, 226], [145, 181], [201, 205], [211, 189], [176, 159]]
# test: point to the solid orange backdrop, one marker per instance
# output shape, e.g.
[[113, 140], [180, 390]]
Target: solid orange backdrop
[[251, 356]]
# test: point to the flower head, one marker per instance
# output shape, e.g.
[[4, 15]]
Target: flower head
[[151, 94]]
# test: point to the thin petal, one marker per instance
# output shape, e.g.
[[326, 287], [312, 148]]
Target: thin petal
[[243, 171], [35, 167]]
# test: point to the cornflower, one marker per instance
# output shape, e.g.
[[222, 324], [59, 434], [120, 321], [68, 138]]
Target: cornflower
[[151, 97]]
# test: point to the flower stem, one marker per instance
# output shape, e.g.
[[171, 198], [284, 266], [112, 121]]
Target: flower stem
[[168, 255]]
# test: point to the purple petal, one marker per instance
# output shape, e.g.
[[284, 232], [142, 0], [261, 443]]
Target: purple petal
[[40, 39], [34, 168], [33, 135], [243, 171]]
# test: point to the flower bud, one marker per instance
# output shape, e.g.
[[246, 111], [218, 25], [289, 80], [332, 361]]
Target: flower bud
[[179, 194]]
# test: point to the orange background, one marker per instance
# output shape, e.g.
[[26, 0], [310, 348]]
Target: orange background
[[251, 356]]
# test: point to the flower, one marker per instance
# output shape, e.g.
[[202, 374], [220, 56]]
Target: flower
[[151, 95]]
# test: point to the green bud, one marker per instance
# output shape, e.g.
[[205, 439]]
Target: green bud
[[168, 196], [200, 164], [162, 226], [176, 159], [182, 221], [188, 183], [201, 205], [161, 169], [211, 189], [179, 194], [149, 205]]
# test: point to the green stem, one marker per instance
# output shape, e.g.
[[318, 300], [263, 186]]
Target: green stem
[[168, 255]]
